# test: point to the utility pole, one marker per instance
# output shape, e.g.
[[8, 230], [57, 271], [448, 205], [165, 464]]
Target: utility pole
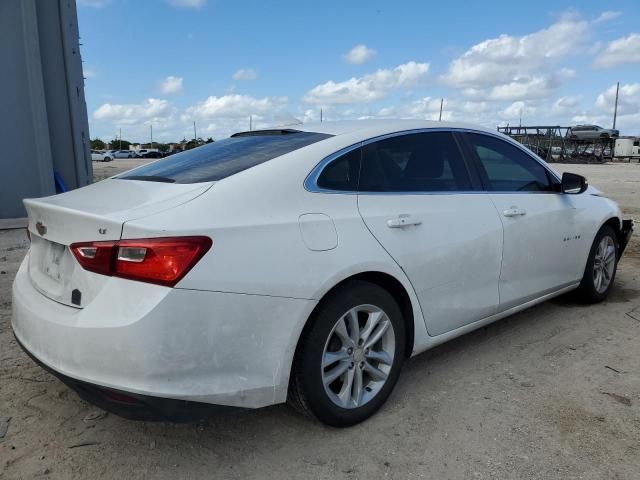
[[195, 133], [320, 115], [120, 139], [520, 125], [151, 128], [441, 102], [615, 109]]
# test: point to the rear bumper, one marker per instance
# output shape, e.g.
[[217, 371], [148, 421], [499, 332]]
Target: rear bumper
[[625, 235], [133, 406], [216, 348]]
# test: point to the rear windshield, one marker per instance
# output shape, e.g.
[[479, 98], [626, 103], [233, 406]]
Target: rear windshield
[[224, 158]]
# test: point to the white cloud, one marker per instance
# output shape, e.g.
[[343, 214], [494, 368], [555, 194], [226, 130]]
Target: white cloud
[[520, 68], [94, 3], [152, 109], [359, 54], [607, 16], [628, 99], [370, 87], [565, 105], [246, 74], [171, 85], [88, 73], [500, 60], [517, 110], [188, 3], [234, 106], [620, 51]]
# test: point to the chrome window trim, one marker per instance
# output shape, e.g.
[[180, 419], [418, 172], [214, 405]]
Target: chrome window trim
[[311, 181]]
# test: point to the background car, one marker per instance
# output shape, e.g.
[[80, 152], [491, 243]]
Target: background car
[[591, 132], [301, 265], [98, 156], [124, 154], [149, 153]]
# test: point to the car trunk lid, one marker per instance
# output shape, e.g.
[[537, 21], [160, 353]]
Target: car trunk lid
[[93, 213]]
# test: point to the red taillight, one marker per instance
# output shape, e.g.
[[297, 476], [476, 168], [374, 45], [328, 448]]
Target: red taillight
[[164, 261]]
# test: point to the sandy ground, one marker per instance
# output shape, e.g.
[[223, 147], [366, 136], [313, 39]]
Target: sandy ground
[[553, 392]]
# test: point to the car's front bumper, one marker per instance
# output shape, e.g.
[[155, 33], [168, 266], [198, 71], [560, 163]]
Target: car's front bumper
[[198, 346], [625, 235]]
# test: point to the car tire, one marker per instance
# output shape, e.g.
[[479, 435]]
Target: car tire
[[368, 356], [600, 271]]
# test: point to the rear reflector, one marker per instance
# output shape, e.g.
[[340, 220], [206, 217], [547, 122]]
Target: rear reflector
[[163, 261]]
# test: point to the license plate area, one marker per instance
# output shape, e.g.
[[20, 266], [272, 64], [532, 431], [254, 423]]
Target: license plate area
[[50, 268]]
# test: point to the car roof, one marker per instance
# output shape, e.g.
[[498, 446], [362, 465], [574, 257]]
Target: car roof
[[374, 127]]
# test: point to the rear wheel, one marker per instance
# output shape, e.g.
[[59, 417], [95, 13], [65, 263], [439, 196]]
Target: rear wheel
[[349, 357], [602, 263]]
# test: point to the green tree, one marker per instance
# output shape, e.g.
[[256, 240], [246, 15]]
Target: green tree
[[210, 140], [116, 144], [97, 144]]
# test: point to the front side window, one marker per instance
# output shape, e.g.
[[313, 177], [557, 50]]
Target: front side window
[[419, 162], [221, 159], [506, 167]]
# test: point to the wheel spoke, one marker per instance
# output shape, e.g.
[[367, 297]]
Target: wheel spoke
[[377, 334], [332, 357], [354, 327], [372, 322], [345, 392], [381, 357], [608, 257], [343, 334], [357, 387], [375, 373], [598, 279], [335, 372]]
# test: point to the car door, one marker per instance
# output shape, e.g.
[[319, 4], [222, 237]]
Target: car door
[[542, 235], [417, 197]]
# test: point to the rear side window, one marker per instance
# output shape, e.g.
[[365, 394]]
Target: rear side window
[[224, 158], [342, 173], [507, 168], [420, 162]]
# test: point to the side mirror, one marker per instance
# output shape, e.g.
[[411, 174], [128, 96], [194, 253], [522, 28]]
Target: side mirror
[[573, 184]]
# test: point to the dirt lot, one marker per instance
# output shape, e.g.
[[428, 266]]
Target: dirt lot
[[553, 392]]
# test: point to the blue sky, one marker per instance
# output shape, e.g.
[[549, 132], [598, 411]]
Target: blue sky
[[170, 62]]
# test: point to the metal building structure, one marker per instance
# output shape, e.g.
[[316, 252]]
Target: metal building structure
[[43, 126], [554, 143]]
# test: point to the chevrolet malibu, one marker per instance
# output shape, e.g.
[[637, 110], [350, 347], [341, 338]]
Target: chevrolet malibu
[[301, 265]]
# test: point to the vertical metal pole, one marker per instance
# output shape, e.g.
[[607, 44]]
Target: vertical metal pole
[[120, 139], [320, 115], [615, 109], [195, 133], [151, 128], [250, 122], [441, 102]]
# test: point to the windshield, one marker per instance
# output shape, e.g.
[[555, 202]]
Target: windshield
[[224, 158]]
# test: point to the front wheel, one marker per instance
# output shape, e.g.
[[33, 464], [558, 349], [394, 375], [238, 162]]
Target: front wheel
[[350, 355], [600, 271]]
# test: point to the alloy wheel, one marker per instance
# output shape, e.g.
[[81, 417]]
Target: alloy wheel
[[604, 264], [358, 356]]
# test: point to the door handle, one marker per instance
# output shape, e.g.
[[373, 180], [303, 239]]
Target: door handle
[[514, 212], [403, 221]]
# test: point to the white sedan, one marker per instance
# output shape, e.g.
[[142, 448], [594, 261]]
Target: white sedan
[[98, 156], [300, 265]]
